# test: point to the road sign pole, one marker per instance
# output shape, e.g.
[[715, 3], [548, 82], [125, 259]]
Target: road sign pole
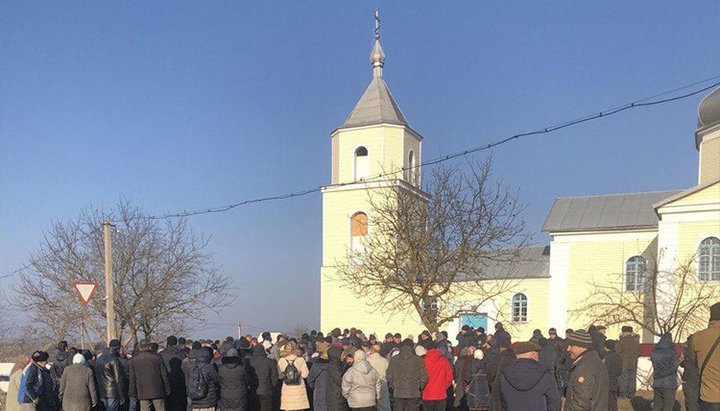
[[109, 289]]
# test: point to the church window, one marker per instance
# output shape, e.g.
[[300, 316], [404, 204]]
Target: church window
[[362, 163], [358, 231], [709, 259], [411, 172], [519, 308], [635, 273]]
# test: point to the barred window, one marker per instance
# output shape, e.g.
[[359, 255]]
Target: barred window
[[519, 308], [709, 259], [635, 273]]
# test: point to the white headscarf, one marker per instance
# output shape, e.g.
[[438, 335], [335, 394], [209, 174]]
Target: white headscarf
[[479, 354], [79, 359]]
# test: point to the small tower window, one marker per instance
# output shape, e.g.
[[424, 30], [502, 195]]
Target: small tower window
[[362, 163], [412, 171], [519, 308], [635, 273], [358, 231], [709, 259]]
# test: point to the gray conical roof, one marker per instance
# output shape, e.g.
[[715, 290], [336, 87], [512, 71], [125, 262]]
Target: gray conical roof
[[376, 106], [709, 110]]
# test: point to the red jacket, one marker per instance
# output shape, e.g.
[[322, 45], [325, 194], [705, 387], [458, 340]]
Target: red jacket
[[440, 376]]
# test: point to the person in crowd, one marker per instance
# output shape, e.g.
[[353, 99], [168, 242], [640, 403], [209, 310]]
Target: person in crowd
[[465, 337], [613, 364], [173, 357], [628, 348], [588, 387], [265, 371], [526, 384], [461, 375], [11, 399], [36, 387], [439, 379], [561, 368], [536, 336], [78, 391], [293, 395], [185, 367], [149, 382], [704, 351], [276, 351], [406, 376], [111, 378], [361, 384], [333, 392], [478, 391], [597, 334], [234, 382], [62, 360], [690, 379], [317, 379], [505, 357], [204, 385], [387, 345], [420, 351], [380, 365], [444, 346], [665, 361], [547, 355]]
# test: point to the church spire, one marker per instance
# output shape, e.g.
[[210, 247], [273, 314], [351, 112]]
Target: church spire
[[377, 57]]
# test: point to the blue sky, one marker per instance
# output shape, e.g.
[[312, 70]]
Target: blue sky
[[185, 105]]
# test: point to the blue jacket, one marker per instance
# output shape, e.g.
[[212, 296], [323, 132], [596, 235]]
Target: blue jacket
[[528, 385], [665, 361], [31, 384]]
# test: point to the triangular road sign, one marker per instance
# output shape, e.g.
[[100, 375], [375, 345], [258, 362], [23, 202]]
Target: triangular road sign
[[85, 291]]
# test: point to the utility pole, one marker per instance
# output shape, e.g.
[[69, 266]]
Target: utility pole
[[109, 289], [239, 330]]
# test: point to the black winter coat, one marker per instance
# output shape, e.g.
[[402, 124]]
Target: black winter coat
[[110, 376], [665, 361], [317, 381], [613, 363], [148, 377], [478, 392], [495, 369], [406, 374], [264, 371], [234, 384], [588, 387], [528, 385], [62, 360], [334, 398], [209, 375], [173, 358]]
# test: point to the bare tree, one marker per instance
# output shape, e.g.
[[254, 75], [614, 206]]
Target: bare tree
[[433, 249], [163, 277], [662, 301]]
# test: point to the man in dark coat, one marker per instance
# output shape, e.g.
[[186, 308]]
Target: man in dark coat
[[111, 378], [388, 345], [204, 388], [334, 398], [234, 383], [265, 378], [466, 337], [561, 359], [36, 385], [185, 367], [62, 360], [172, 357], [665, 362], [691, 380], [588, 387], [613, 363], [526, 384], [496, 367], [149, 381], [406, 377], [597, 334], [628, 348]]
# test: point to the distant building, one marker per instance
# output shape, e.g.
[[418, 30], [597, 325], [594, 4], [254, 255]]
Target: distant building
[[601, 238]]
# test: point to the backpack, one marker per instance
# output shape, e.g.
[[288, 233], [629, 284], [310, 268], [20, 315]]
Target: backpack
[[291, 375], [197, 386]]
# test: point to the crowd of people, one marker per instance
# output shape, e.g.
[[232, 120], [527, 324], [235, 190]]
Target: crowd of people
[[347, 370]]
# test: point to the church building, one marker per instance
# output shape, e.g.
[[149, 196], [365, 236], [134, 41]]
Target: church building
[[606, 239]]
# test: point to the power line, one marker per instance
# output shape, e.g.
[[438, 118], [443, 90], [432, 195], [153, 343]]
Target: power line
[[644, 102]]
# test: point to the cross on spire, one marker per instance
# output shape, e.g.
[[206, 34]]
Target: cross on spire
[[377, 57]]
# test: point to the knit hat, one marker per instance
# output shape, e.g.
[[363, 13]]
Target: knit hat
[[579, 338], [420, 351], [626, 329], [503, 338], [78, 359], [715, 312], [525, 347], [114, 344]]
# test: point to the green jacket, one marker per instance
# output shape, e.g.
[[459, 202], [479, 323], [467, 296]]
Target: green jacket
[[698, 349], [588, 387]]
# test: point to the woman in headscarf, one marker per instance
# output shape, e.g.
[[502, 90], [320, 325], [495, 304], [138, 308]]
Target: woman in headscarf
[[78, 391], [14, 385], [478, 392]]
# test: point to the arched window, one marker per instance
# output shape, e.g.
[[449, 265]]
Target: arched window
[[362, 163], [635, 273], [519, 308], [709, 259], [412, 171], [358, 231]]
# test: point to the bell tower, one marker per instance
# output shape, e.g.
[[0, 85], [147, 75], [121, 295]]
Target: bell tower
[[374, 149]]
